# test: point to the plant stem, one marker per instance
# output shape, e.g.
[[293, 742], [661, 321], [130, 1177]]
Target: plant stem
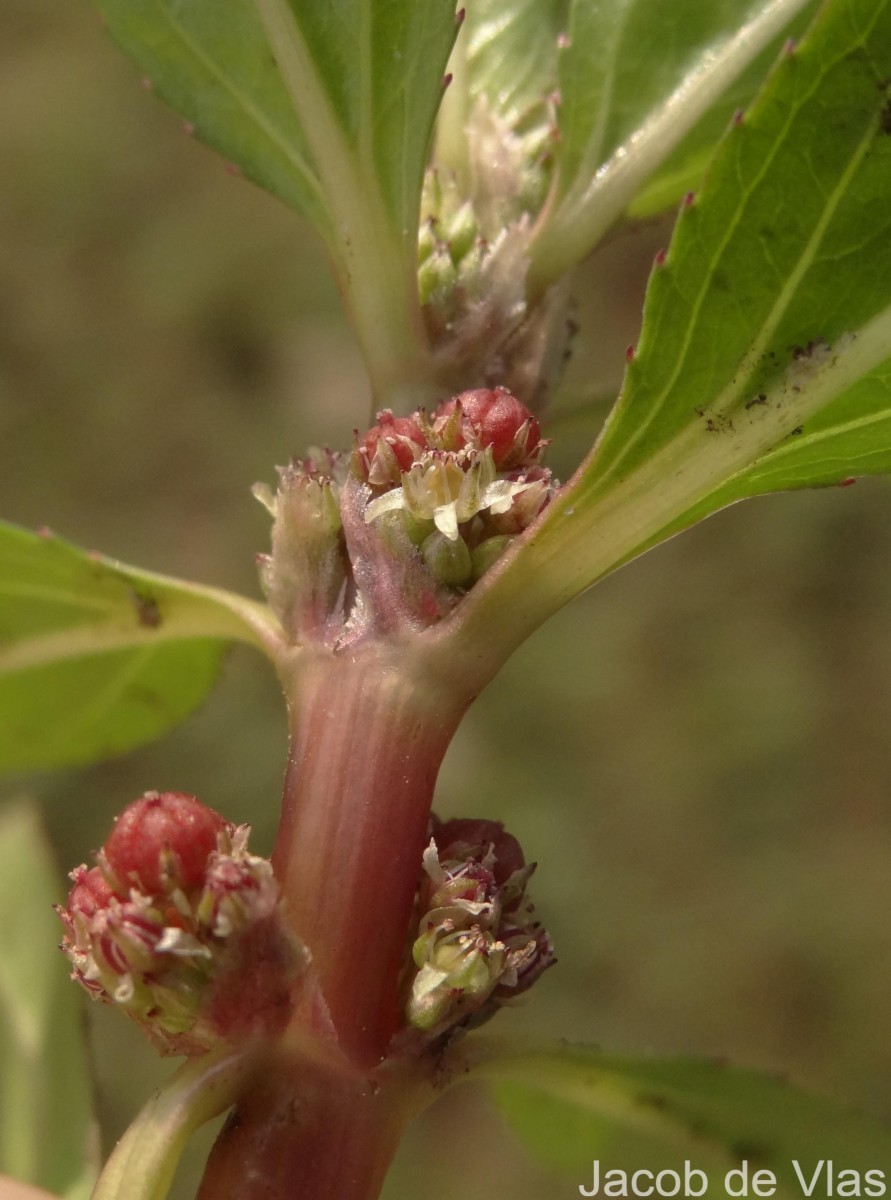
[[310, 1132], [369, 728]]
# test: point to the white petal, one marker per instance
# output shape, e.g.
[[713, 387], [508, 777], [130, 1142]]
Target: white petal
[[499, 495], [384, 504], [446, 521]]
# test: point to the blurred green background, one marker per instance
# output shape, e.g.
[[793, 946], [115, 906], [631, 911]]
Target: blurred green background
[[696, 753]]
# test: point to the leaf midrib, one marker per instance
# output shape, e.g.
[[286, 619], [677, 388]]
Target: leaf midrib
[[730, 395]]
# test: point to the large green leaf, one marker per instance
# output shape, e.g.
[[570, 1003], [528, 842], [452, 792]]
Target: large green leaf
[[96, 657], [634, 79], [576, 1105], [765, 355], [787, 250], [331, 107], [47, 1134]]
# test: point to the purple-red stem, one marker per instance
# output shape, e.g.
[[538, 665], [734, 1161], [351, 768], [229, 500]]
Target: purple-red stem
[[309, 1133], [369, 730]]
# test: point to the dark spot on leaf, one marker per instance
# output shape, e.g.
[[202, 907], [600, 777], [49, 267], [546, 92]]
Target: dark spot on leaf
[[719, 424], [652, 1100], [148, 614], [797, 430], [761, 398]]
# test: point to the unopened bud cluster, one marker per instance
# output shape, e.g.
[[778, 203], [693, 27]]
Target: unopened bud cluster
[[463, 234], [473, 254], [464, 480], [171, 921], [305, 576], [478, 945]]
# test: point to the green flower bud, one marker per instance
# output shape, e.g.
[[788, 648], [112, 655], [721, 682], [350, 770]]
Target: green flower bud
[[487, 553], [427, 240], [461, 232], [449, 560], [436, 274]]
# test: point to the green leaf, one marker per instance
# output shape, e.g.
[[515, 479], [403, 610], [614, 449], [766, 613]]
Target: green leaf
[[511, 54], [331, 107], [97, 657], [378, 65], [850, 437], [574, 1105], [769, 317], [47, 1134], [684, 169], [634, 79], [765, 355], [216, 69], [504, 64]]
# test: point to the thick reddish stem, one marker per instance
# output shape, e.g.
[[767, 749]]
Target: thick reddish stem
[[369, 731], [369, 728], [310, 1133]]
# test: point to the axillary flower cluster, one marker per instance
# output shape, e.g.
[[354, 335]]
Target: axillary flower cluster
[[178, 924], [400, 529], [477, 944], [465, 480]]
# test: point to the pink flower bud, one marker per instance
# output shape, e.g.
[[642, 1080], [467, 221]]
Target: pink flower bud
[[472, 838], [163, 840]]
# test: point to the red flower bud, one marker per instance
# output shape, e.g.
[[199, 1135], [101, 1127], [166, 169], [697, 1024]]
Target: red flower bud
[[181, 926], [389, 448], [91, 891], [470, 838], [163, 840], [493, 417]]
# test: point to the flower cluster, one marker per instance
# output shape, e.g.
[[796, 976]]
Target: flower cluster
[[305, 577], [478, 945], [465, 480], [173, 922], [474, 253]]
